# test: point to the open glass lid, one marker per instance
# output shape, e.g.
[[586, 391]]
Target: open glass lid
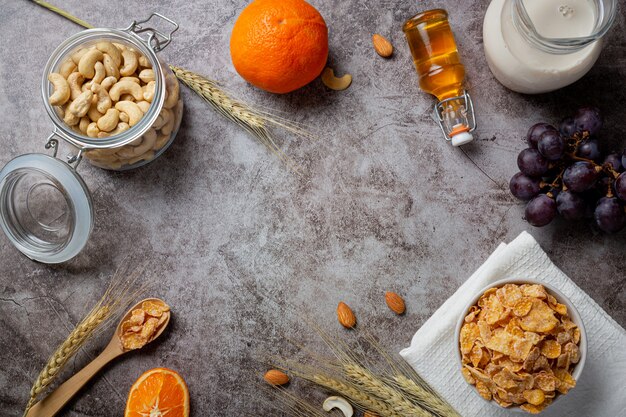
[[45, 208]]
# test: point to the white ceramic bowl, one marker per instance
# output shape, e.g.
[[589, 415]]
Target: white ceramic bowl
[[573, 314]]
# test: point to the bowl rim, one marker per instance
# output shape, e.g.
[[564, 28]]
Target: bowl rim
[[560, 297]]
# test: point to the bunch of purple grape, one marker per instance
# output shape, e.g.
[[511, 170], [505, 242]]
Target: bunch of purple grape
[[563, 172]]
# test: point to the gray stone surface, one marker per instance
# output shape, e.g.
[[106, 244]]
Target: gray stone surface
[[384, 203]]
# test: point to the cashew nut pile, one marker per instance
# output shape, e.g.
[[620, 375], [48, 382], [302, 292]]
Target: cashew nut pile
[[106, 89]]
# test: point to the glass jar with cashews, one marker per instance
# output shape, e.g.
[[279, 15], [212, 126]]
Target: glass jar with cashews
[[119, 107]]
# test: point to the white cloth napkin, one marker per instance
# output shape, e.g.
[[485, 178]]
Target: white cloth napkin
[[601, 390]]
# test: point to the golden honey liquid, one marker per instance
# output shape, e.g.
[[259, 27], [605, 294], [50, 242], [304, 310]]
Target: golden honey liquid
[[435, 54]]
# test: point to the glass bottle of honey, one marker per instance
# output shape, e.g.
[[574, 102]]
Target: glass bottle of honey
[[441, 73]]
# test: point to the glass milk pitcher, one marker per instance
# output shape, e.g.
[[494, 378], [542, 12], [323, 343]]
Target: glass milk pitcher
[[537, 46]]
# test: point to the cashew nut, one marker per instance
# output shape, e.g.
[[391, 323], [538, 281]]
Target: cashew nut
[[173, 91], [110, 67], [76, 56], [67, 68], [103, 101], [101, 153], [121, 127], [146, 75], [133, 79], [80, 106], [124, 87], [164, 117], [335, 83], [61, 89], [149, 140], [131, 109], [70, 118], [124, 117], [130, 63], [145, 157], [92, 130], [161, 141], [144, 106], [168, 127], [111, 50], [120, 46], [108, 122], [126, 152], [108, 82], [144, 61], [148, 91], [100, 73], [84, 124], [75, 81], [127, 97], [87, 63], [340, 403], [93, 113]]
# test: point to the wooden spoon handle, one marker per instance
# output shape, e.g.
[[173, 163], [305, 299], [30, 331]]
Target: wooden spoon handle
[[49, 406]]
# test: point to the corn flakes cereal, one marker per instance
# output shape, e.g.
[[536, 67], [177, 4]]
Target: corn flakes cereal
[[469, 333], [483, 390], [154, 309], [551, 349], [143, 324], [522, 306], [540, 318], [534, 396], [518, 347], [545, 381]]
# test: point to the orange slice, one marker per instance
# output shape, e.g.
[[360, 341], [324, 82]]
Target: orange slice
[[158, 392]]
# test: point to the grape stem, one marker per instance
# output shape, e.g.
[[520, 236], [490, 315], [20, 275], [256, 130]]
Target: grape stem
[[609, 191]]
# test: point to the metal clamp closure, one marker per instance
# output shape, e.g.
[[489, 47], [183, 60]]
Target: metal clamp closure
[[53, 143], [466, 110], [156, 38]]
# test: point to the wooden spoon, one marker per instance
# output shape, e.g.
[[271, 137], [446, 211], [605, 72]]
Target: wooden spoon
[[54, 402]]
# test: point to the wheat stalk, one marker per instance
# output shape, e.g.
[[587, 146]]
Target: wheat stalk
[[363, 399], [375, 386], [119, 294], [419, 394], [255, 121], [286, 401]]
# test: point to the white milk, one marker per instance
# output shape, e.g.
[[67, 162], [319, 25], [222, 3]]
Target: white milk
[[524, 68]]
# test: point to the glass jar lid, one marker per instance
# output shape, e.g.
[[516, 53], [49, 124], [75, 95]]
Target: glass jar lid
[[46, 209]]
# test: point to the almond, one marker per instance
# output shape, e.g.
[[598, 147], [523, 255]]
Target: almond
[[370, 414], [276, 377], [395, 302], [382, 46], [345, 315]]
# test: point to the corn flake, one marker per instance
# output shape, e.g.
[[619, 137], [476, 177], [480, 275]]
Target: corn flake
[[136, 331], [469, 333], [545, 381], [551, 349], [522, 306], [483, 390], [518, 345], [540, 318]]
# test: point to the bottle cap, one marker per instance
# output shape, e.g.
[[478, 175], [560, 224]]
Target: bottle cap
[[461, 138]]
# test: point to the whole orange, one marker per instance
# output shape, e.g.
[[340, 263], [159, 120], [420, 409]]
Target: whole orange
[[279, 45]]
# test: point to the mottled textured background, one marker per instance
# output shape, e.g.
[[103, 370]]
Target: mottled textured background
[[384, 203]]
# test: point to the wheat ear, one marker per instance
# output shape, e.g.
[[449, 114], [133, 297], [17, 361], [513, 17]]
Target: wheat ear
[[255, 121], [81, 333], [121, 291], [432, 402], [375, 386], [363, 399]]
